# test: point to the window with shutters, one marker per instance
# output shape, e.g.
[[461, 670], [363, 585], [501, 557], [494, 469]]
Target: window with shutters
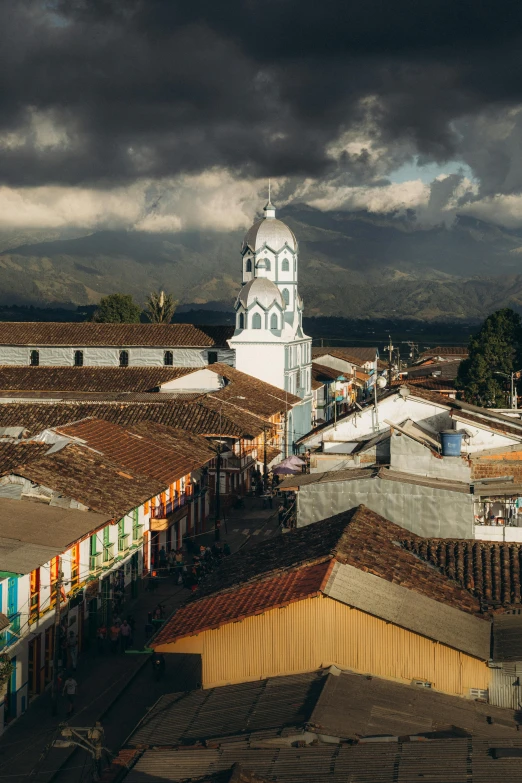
[[285, 266], [34, 606], [248, 266], [256, 321], [273, 321], [286, 295], [75, 566]]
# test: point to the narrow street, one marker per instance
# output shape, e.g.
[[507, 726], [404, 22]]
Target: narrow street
[[117, 688]]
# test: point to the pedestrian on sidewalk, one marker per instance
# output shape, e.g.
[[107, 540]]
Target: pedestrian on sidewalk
[[72, 649], [70, 688], [114, 635], [101, 638], [162, 559], [125, 635]]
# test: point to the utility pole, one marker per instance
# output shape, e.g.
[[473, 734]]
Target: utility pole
[[56, 649], [89, 739], [218, 496], [265, 465], [390, 361]]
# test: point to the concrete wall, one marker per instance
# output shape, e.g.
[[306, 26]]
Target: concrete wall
[[434, 513], [409, 456]]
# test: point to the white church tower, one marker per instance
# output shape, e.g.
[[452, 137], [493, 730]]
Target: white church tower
[[269, 340]]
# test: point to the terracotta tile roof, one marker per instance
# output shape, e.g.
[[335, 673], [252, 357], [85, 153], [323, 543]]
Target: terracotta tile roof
[[260, 398], [91, 479], [247, 601], [446, 350], [444, 370], [433, 384], [12, 454], [152, 449], [199, 417], [489, 422], [320, 371], [490, 571], [88, 379], [360, 538], [120, 335], [316, 384], [356, 355]]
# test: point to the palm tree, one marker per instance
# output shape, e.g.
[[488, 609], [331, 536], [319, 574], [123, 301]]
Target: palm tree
[[160, 307]]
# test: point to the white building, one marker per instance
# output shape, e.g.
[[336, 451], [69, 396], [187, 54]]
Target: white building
[[113, 345], [269, 341]]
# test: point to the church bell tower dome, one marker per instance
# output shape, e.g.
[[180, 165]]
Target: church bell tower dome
[[269, 232]]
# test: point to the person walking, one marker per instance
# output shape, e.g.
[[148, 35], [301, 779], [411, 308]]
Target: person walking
[[125, 635], [101, 638], [72, 649], [114, 635], [162, 559], [70, 688]]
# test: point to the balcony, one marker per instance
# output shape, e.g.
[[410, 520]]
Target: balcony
[[164, 509], [123, 543], [95, 562], [12, 633], [137, 534], [108, 553]]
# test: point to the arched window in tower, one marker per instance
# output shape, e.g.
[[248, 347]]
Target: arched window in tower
[[286, 295], [256, 321], [241, 321], [273, 321], [285, 266], [168, 358], [124, 358], [267, 264], [248, 267]]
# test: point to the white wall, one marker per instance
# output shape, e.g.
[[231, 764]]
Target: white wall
[[63, 356], [397, 409], [204, 380], [266, 362]]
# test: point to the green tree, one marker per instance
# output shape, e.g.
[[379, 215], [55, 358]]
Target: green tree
[[117, 309], [493, 350], [160, 307]]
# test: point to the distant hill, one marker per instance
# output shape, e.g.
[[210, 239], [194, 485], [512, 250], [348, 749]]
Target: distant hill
[[351, 264]]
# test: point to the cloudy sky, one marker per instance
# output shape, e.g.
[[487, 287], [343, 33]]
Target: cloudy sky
[[160, 114]]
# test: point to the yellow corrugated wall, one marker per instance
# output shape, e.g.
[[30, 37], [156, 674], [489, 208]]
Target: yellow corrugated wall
[[318, 632]]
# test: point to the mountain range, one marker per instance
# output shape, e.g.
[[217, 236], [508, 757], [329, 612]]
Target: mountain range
[[354, 265]]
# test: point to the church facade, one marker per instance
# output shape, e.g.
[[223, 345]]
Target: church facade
[[269, 341]]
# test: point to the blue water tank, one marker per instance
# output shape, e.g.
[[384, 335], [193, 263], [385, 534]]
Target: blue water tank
[[451, 442]]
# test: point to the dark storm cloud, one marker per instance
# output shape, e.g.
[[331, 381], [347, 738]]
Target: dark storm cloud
[[156, 87]]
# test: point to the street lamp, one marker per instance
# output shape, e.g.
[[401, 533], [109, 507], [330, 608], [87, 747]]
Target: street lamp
[[512, 376], [379, 383]]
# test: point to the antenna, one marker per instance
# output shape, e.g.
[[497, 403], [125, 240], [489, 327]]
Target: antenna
[[269, 190]]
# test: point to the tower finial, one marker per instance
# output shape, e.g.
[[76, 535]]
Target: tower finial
[[269, 210]]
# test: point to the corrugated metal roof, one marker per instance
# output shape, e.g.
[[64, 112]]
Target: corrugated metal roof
[[186, 718], [507, 637], [440, 761], [305, 479], [32, 533], [410, 609]]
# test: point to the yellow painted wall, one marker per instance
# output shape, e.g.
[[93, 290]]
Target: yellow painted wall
[[318, 632]]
